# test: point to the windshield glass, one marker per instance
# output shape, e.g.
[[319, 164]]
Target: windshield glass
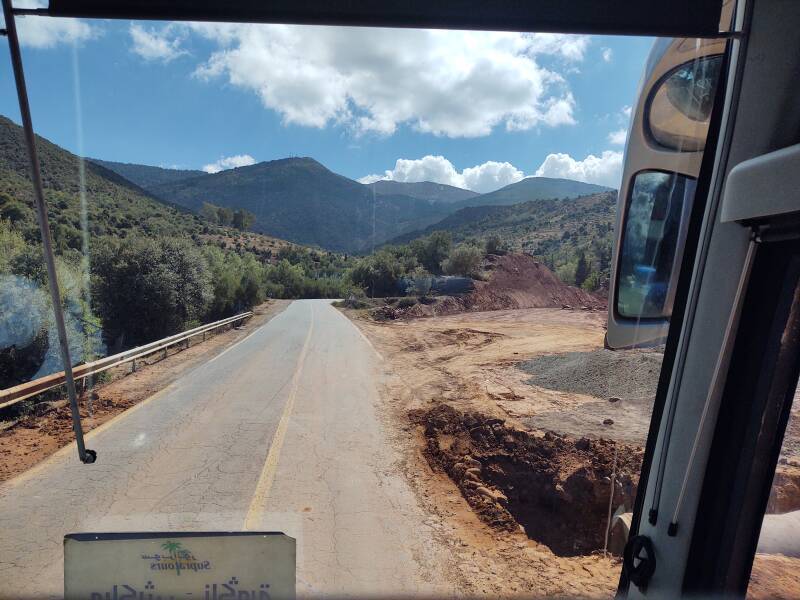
[[348, 285]]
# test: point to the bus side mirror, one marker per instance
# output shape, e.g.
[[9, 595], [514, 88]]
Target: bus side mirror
[[653, 234]]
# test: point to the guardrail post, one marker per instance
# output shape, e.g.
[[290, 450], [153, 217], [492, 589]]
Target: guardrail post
[[165, 353], [133, 366], [86, 456]]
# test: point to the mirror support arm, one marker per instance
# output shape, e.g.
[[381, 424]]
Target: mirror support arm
[[86, 456]]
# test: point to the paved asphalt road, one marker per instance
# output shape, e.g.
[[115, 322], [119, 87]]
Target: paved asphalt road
[[279, 432]]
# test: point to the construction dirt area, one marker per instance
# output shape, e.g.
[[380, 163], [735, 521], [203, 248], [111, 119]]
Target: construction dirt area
[[513, 424]]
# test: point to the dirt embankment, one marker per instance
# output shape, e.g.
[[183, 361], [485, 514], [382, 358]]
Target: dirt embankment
[[516, 415], [519, 281], [514, 281], [556, 488]]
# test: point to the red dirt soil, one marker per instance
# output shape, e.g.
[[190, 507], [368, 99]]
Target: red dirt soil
[[555, 487], [514, 281]]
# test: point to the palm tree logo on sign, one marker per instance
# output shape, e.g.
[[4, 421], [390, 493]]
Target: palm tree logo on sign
[[177, 559], [176, 553]]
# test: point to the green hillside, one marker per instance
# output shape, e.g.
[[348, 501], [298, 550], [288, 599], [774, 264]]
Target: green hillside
[[114, 205], [298, 199], [558, 231], [533, 188], [146, 176]]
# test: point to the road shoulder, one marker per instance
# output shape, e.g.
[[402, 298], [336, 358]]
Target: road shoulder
[[35, 438]]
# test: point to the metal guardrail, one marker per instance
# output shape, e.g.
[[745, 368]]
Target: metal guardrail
[[13, 395]]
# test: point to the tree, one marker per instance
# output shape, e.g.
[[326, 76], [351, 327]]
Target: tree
[[290, 277], [592, 282], [243, 219], [224, 215], [378, 273], [25, 324], [192, 278], [29, 263], [566, 273], [145, 289], [12, 209], [209, 212], [432, 250], [464, 260], [582, 269]]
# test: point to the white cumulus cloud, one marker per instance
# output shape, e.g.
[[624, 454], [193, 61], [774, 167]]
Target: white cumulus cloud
[[448, 83], [491, 176], [48, 32], [605, 169], [608, 54], [151, 44], [229, 162], [618, 137], [486, 177]]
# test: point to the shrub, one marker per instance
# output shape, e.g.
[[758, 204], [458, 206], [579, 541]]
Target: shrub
[[464, 260], [11, 244], [406, 302], [494, 244], [421, 282]]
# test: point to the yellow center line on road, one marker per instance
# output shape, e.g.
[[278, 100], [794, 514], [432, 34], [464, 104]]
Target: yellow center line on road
[[273, 456]]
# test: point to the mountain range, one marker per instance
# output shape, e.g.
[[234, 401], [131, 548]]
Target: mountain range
[[294, 199], [298, 199], [347, 216], [115, 206]]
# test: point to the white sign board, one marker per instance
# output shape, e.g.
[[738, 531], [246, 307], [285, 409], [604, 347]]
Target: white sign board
[[153, 566]]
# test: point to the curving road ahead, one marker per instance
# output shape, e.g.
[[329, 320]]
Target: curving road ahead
[[278, 432]]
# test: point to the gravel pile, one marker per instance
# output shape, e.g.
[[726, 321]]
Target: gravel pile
[[631, 375]]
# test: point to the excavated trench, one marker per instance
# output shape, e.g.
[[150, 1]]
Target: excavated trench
[[555, 487]]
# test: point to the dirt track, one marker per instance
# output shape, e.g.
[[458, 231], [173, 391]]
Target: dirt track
[[471, 396], [467, 361]]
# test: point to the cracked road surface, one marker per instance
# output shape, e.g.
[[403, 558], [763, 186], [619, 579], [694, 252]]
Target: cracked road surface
[[281, 431]]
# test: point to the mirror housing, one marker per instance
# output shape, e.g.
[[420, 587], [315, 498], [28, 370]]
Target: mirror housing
[[687, 58]]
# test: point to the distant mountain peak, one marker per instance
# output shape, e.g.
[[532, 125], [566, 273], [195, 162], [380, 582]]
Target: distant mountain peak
[[424, 190], [147, 176], [535, 188], [303, 201]]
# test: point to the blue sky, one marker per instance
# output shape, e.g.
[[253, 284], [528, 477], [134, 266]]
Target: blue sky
[[473, 109]]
